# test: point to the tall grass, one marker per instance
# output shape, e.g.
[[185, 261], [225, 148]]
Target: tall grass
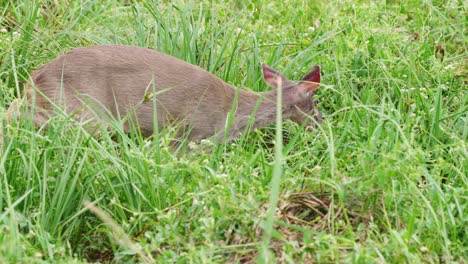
[[383, 179]]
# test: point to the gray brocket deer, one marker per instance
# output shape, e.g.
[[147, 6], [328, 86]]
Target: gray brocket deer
[[118, 79]]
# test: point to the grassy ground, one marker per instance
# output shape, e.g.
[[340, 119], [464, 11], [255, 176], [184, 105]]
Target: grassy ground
[[382, 180]]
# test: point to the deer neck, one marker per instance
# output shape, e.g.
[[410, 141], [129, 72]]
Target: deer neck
[[256, 110]]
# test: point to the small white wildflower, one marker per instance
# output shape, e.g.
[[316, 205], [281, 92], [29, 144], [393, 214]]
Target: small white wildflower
[[3, 30], [238, 30], [424, 249], [311, 29], [192, 145], [443, 87], [449, 67], [221, 176], [205, 142]]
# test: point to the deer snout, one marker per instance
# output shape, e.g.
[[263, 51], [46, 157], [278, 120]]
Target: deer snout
[[308, 119]]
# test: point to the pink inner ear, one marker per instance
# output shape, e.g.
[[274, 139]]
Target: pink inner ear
[[311, 81], [313, 75], [271, 76]]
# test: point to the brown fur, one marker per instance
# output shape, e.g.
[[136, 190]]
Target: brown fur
[[118, 78]]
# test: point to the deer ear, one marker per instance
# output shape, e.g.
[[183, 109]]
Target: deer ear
[[272, 77], [311, 80]]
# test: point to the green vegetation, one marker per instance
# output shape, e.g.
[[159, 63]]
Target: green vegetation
[[382, 180]]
